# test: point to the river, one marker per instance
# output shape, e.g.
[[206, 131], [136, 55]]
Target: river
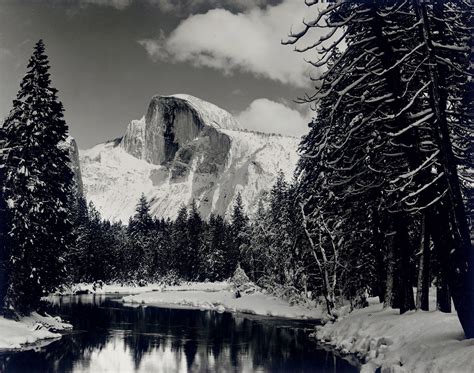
[[113, 337]]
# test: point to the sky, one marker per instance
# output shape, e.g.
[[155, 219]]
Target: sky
[[109, 57]]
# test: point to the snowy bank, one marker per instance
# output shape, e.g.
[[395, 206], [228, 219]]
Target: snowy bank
[[219, 297], [29, 329], [89, 288], [417, 341]]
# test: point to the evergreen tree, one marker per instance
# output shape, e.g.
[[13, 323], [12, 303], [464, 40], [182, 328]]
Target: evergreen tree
[[239, 238], [140, 227], [192, 255], [142, 222], [159, 255], [214, 246], [256, 255], [4, 247], [180, 242], [77, 254], [37, 185]]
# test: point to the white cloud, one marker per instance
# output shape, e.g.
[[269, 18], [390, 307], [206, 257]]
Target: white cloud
[[248, 41], [272, 117]]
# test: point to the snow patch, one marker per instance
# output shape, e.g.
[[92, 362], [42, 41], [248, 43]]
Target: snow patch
[[218, 297]]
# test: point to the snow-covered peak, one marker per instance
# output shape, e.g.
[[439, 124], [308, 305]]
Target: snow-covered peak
[[211, 114]]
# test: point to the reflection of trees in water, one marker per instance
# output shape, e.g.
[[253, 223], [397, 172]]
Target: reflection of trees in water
[[222, 342]]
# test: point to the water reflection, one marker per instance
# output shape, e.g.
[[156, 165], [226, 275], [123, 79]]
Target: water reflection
[[116, 338]]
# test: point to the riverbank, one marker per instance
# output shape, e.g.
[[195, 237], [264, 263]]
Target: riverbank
[[221, 297], [115, 288], [30, 330], [417, 341]]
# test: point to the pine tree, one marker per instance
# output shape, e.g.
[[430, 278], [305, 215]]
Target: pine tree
[[195, 230], [256, 259], [180, 242], [214, 246], [36, 187], [140, 227], [142, 222], [239, 224], [76, 256]]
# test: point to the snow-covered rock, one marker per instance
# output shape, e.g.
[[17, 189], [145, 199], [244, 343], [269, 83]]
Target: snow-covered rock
[[30, 330], [183, 149]]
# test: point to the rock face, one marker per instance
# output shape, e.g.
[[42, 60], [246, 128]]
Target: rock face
[[71, 145], [184, 149]]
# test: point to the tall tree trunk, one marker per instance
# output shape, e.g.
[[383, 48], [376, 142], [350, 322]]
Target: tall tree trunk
[[424, 280], [390, 286], [461, 256], [443, 297], [322, 264], [380, 248], [406, 299]]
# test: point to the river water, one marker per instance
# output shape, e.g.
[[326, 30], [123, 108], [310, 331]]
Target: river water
[[112, 337]]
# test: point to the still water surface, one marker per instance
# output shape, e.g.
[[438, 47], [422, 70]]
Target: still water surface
[[109, 336]]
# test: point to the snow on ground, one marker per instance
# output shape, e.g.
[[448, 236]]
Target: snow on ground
[[30, 329], [219, 297], [133, 289], [417, 341]]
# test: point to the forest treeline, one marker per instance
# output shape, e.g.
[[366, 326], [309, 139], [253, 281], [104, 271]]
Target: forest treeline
[[381, 200], [271, 247]]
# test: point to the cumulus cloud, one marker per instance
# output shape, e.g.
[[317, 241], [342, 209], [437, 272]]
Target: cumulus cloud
[[265, 115], [247, 41]]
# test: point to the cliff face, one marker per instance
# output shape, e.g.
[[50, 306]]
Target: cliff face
[[183, 149], [71, 145], [134, 140]]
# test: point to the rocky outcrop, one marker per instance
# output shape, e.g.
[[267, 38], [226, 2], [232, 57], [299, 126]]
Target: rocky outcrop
[[184, 149], [71, 146], [134, 140]]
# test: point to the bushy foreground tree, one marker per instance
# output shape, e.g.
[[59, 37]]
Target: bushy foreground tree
[[36, 186]]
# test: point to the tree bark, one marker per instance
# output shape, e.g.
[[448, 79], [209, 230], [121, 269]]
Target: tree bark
[[443, 297], [406, 297], [424, 280], [380, 285], [389, 296]]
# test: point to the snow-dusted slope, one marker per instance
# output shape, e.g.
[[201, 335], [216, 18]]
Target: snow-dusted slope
[[184, 149]]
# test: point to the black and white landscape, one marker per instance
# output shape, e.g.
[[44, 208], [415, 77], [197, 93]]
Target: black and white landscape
[[216, 186]]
